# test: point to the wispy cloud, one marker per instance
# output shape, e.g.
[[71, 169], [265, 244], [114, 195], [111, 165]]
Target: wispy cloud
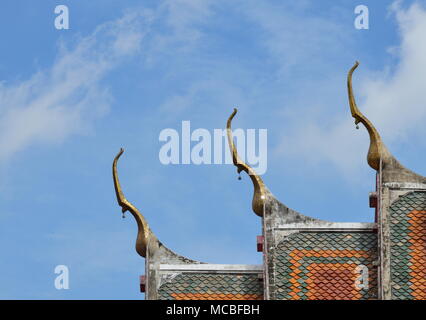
[[395, 100], [295, 35], [392, 99], [64, 100], [177, 28]]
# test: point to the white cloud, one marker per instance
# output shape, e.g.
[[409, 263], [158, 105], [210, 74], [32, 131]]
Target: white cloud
[[397, 102], [183, 15], [393, 101], [177, 28], [65, 99], [294, 34]]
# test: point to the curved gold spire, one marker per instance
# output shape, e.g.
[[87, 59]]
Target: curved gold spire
[[377, 150], [144, 233], [259, 195]]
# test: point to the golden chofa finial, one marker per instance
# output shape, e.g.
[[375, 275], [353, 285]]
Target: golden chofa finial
[[144, 233], [259, 195], [377, 150]]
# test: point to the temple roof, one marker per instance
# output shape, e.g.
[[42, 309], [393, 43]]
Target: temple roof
[[305, 257]]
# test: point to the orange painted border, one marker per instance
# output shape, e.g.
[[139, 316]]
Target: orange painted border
[[417, 248], [296, 255]]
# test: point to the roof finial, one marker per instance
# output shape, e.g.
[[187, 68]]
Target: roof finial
[[377, 150], [259, 195], [144, 233]]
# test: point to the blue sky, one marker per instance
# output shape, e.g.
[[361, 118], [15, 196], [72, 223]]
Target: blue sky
[[124, 71]]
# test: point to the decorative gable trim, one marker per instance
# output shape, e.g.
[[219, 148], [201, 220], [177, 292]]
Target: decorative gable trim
[[211, 268]]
